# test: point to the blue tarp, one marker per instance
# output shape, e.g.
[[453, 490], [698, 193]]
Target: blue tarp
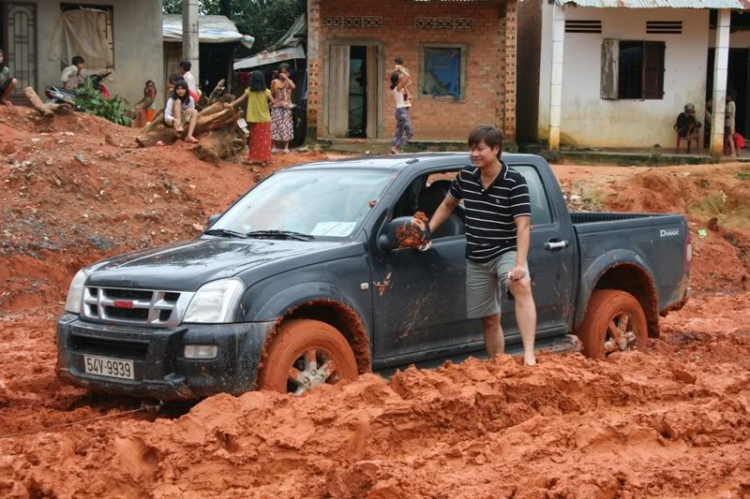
[[445, 66]]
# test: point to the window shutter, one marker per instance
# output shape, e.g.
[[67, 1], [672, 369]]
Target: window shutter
[[653, 70], [609, 75]]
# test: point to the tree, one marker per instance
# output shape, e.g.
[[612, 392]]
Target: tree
[[265, 20]]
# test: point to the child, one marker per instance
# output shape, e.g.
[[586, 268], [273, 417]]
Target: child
[[146, 107], [399, 68], [180, 110], [282, 124], [404, 129], [72, 76], [185, 67], [7, 82], [259, 118]]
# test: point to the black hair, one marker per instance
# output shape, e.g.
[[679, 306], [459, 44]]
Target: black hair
[[285, 67], [186, 65], [77, 60], [175, 78], [183, 84], [395, 76], [490, 135], [150, 81], [257, 81], [398, 60]]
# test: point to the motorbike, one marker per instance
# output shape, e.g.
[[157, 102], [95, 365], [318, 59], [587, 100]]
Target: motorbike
[[56, 95]]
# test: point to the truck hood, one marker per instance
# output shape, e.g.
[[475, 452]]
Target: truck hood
[[187, 266]]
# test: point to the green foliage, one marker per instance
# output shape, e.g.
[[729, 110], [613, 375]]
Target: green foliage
[[91, 101], [265, 20], [743, 175]]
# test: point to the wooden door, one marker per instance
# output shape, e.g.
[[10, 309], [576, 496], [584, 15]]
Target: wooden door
[[338, 91]]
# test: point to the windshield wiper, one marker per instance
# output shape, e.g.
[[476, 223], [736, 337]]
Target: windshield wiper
[[280, 234], [225, 233]]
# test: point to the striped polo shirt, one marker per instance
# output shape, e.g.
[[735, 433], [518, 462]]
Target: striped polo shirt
[[491, 213]]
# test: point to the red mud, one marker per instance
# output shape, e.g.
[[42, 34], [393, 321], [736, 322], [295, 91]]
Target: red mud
[[413, 235], [673, 422]]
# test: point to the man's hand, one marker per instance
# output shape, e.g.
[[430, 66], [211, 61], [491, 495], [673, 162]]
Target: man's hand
[[517, 273]]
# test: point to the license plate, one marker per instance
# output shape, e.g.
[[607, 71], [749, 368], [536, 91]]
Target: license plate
[[104, 366]]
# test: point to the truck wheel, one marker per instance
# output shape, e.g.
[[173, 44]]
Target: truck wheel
[[305, 354], [614, 322]]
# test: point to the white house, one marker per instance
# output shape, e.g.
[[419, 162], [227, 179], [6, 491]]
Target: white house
[[616, 73]]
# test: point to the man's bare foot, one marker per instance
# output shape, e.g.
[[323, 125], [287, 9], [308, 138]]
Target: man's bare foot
[[191, 139], [529, 360]]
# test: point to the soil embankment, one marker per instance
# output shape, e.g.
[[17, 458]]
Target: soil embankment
[[674, 422]]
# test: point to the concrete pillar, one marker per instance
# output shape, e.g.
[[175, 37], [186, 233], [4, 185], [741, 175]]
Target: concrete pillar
[[556, 82], [190, 41], [721, 63]]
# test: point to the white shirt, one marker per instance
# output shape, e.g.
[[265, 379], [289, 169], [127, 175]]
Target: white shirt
[[168, 116], [190, 80], [400, 101]]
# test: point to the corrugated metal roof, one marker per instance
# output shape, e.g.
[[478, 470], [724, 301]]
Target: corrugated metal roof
[[660, 4]]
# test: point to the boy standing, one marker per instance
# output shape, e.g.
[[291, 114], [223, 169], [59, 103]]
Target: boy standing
[[185, 67], [498, 230]]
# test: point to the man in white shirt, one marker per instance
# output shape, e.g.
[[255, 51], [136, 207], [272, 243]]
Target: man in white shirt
[[73, 76], [185, 67]]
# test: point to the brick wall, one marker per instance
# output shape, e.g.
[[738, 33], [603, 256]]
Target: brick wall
[[491, 64]]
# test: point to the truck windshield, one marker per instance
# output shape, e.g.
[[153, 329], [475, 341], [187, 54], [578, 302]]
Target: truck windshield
[[321, 203]]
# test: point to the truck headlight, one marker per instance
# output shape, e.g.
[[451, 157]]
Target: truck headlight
[[215, 301], [75, 292]]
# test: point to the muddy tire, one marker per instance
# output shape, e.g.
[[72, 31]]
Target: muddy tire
[[614, 322], [305, 354]]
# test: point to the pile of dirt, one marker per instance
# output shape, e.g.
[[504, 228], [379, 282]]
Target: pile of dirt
[[673, 422], [76, 188]]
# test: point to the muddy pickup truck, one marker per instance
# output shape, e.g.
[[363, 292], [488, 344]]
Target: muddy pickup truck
[[300, 283]]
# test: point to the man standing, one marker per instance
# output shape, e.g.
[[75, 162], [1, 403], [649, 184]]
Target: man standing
[[185, 67], [498, 230]]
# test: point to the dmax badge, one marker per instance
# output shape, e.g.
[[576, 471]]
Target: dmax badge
[[669, 233]]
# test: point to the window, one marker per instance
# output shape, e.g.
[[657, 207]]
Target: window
[[540, 212], [443, 70], [632, 70], [102, 18]]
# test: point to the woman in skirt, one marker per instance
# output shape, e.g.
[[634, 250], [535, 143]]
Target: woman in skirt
[[282, 124], [258, 118]]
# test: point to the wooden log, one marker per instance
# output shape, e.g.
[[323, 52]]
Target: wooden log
[[47, 110], [211, 118]]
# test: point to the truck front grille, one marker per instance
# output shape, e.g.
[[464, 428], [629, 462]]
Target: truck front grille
[[137, 307]]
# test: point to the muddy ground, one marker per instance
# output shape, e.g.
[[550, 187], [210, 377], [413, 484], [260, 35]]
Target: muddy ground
[[673, 422]]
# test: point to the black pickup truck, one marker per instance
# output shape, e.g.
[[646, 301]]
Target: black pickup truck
[[299, 283]]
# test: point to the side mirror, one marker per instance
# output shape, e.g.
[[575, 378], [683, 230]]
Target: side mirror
[[404, 232], [213, 218]]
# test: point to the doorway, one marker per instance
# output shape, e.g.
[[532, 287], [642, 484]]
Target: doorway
[[18, 38], [738, 77], [353, 90]]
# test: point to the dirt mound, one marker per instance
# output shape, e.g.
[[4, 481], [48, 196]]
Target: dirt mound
[[671, 423], [76, 189]]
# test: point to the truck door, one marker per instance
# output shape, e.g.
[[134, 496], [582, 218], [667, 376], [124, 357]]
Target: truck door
[[552, 261], [419, 300]]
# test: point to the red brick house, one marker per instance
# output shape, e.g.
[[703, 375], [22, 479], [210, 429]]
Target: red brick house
[[461, 55]]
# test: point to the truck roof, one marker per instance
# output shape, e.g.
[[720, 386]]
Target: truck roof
[[400, 161]]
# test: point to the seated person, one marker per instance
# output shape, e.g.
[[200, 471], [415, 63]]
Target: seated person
[[72, 76], [686, 125]]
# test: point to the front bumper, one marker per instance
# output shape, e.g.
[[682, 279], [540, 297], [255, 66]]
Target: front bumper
[[160, 369]]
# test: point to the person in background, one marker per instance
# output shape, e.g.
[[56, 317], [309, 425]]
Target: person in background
[[185, 67], [258, 117], [72, 76], [146, 107], [686, 125], [729, 130], [282, 123], [181, 111], [7, 82], [404, 129]]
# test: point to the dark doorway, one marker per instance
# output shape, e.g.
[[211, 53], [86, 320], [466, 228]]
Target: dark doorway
[[358, 92], [737, 83]]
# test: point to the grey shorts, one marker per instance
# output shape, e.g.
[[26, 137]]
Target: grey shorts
[[486, 283]]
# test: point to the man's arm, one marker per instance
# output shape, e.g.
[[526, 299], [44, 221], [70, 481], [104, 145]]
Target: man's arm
[[442, 213], [523, 227]]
